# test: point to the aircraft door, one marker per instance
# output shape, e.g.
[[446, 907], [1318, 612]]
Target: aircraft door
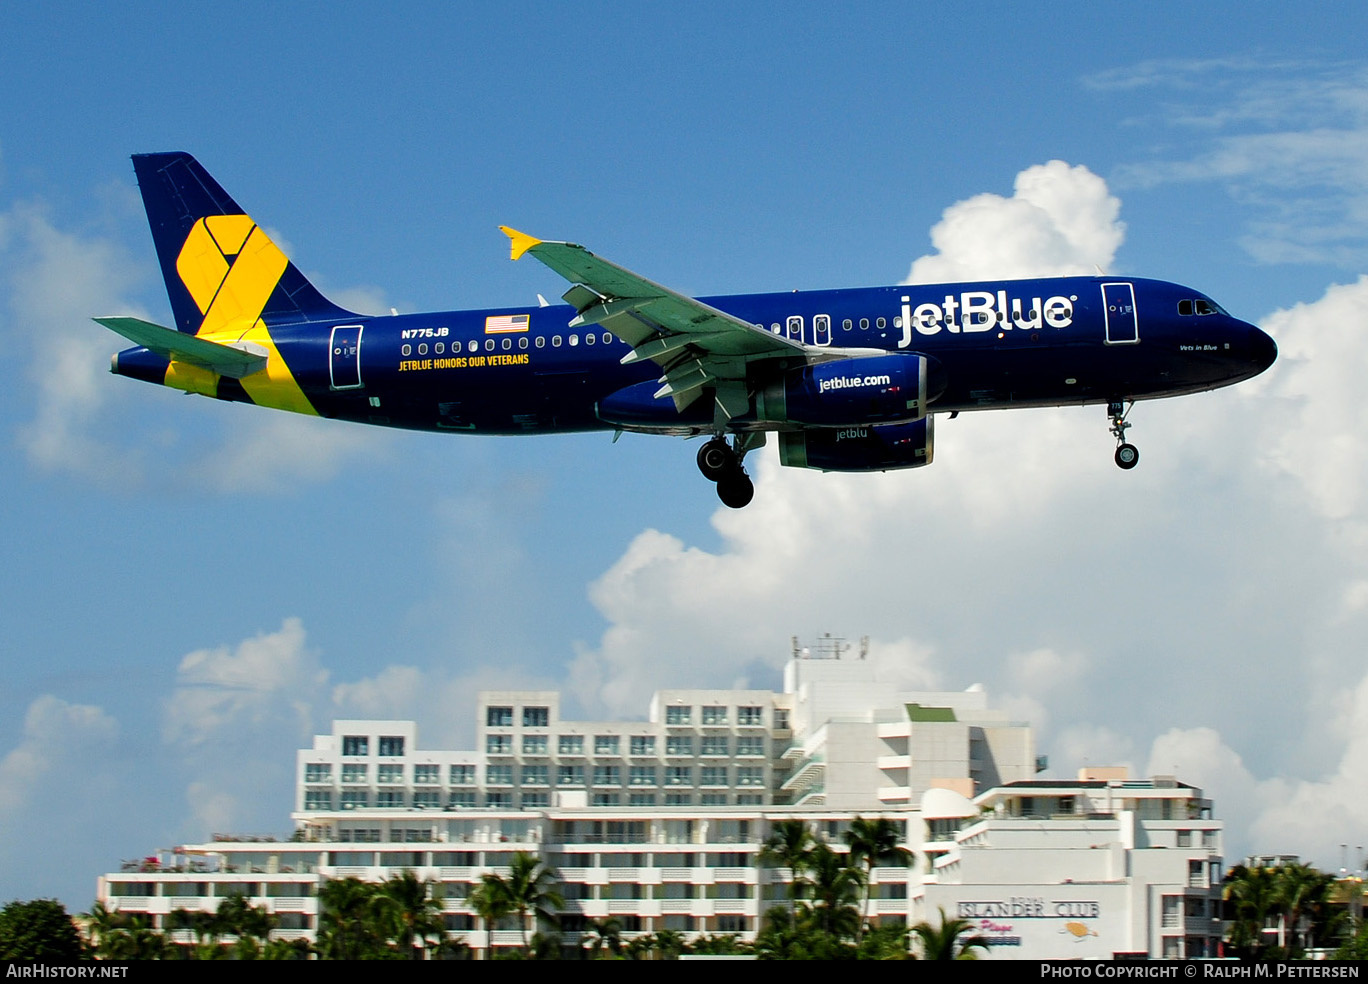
[[1118, 305], [344, 357]]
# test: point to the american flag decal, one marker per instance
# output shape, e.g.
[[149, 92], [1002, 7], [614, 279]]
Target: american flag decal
[[498, 324]]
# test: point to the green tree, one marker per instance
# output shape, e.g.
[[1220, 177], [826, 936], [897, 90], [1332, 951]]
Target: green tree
[[250, 925], [348, 926], [1252, 893], [1301, 893], [492, 902], [835, 886], [789, 845], [953, 939], [38, 930], [532, 892], [874, 843], [605, 939], [408, 912]]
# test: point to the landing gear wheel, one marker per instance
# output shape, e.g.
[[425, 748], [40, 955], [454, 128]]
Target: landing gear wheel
[[735, 490], [1127, 456], [716, 460]]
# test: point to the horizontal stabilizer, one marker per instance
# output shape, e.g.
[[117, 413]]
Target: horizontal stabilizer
[[235, 361]]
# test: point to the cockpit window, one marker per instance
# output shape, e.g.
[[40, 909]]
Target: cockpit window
[[1199, 306]]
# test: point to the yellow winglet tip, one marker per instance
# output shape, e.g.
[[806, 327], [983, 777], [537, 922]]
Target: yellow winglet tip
[[518, 242]]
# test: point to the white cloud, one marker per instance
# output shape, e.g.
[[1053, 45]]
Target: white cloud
[[244, 687], [57, 735], [1060, 221]]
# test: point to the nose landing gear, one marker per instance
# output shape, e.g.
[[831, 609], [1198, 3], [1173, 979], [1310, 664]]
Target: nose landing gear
[[1127, 455], [720, 462]]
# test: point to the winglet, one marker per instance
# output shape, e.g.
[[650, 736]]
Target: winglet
[[519, 242]]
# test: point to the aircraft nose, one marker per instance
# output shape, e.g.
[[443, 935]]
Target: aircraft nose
[[1263, 351]]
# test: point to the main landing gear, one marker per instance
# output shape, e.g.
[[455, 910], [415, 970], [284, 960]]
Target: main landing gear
[[1127, 455], [720, 462]]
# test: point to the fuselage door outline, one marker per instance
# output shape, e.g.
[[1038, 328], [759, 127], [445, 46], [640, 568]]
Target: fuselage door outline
[[344, 357], [1118, 307]]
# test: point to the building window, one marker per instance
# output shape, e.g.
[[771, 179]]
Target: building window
[[678, 715], [749, 799], [389, 800], [570, 745], [713, 775], [391, 746], [499, 801], [535, 744], [499, 744], [391, 774], [750, 716], [678, 775], [750, 775], [735, 924], [536, 775], [531, 801], [353, 774], [714, 745], [606, 745], [643, 775], [781, 721], [427, 775], [498, 717], [536, 717], [679, 799], [714, 715], [643, 744], [607, 775], [713, 799], [313, 772], [463, 775], [464, 798], [569, 775], [499, 775], [355, 799], [317, 800], [605, 799], [355, 745], [641, 799], [679, 745], [428, 799], [750, 745], [1185, 838]]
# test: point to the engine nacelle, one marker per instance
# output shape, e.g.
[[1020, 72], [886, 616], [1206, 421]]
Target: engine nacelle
[[884, 447], [876, 389]]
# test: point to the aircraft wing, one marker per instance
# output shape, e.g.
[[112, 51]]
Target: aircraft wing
[[226, 360], [695, 344]]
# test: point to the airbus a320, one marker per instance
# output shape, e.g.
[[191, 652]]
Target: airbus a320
[[845, 380]]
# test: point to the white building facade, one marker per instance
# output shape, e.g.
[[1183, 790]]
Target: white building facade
[[658, 823]]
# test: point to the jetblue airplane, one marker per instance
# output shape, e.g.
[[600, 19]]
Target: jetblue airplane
[[846, 380]]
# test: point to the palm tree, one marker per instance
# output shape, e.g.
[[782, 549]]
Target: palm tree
[[836, 887], [251, 925], [606, 935], [347, 925], [953, 939], [789, 846], [874, 843], [1253, 892], [531, 888], [406, 905], [1300, 890], [492, 902]]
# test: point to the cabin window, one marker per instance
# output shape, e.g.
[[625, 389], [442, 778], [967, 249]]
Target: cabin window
[[507, 344], [438, 349], [541, 341], [607, 338], [489, 345], [474, 346], [555, 341], [881, 323], [589, 339], [522, 342], [574, 340], [846, 325], [407, 350], [422, 348], [864, 324], [775, 327]]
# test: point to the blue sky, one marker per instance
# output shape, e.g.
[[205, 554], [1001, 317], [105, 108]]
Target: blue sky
[[194, 588]]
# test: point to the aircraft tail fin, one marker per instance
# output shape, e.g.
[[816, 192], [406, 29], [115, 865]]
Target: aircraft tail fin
[[222, 271]]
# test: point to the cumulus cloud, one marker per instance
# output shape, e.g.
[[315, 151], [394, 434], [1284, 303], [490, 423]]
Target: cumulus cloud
[[1059, 221], [57, 735]]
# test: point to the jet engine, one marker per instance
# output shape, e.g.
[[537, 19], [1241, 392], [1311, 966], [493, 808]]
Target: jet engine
[[879, 389], [882, 447]]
